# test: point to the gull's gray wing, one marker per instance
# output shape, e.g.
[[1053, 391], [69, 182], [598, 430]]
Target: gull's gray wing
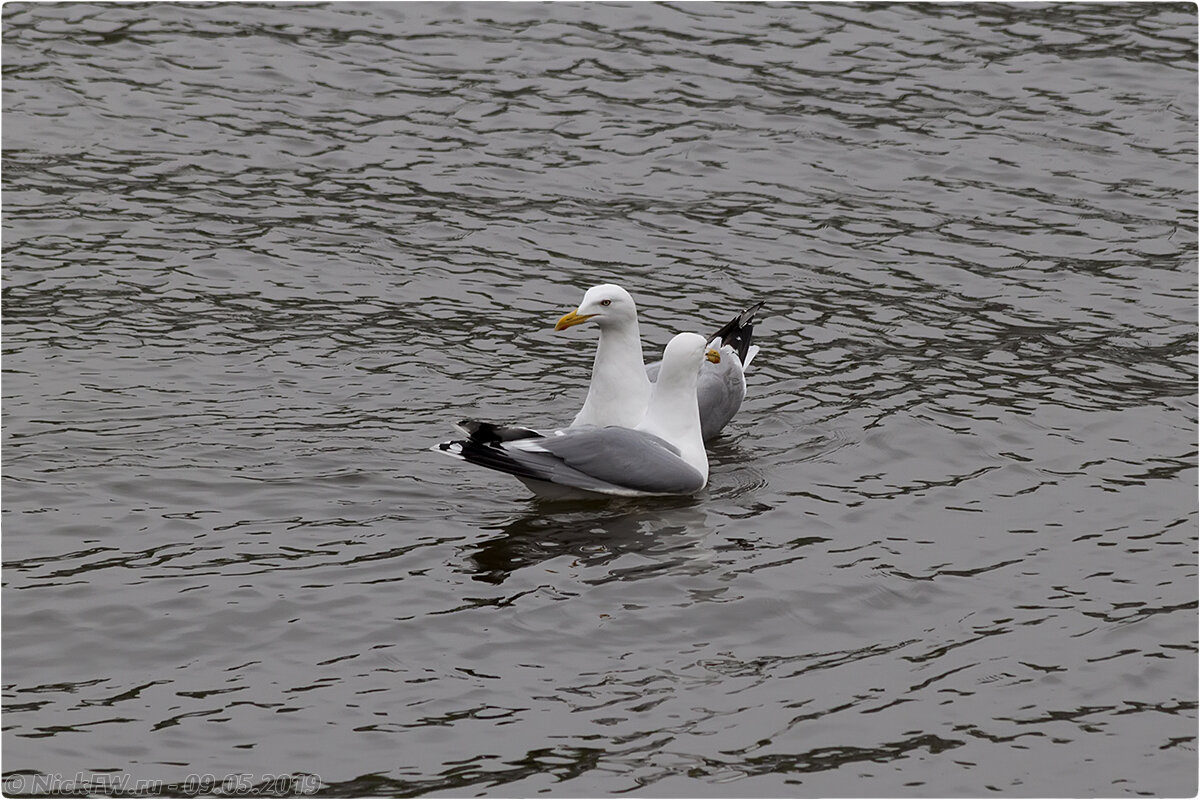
[[610, 460], [722, 387], [719, 391], [622, 457]]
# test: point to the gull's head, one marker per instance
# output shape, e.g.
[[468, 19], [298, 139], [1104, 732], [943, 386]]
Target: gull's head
[[607, 304], [685, 352]]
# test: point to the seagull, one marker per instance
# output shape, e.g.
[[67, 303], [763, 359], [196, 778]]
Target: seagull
[[621, 382], [661, 454]]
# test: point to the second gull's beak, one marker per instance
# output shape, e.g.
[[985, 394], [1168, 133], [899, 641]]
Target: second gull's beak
[[574, 318], [713, 356]]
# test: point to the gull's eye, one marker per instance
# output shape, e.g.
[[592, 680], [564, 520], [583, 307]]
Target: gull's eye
[[606, 302]]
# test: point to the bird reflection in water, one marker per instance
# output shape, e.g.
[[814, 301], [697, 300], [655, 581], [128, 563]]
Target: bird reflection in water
[[667, 530]]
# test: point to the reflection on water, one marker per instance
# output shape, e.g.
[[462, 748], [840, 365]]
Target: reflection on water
[[595, 537], [257, 258]]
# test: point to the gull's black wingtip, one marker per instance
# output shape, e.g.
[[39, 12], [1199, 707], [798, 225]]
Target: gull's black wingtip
[[747, 315], [479, 432], [738, 333], [491, 454]]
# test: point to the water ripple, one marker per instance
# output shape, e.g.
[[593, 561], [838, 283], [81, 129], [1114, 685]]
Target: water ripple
[[257, 259]]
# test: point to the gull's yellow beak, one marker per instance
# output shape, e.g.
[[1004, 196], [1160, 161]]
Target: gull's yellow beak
[[713, 356], [574, 318]]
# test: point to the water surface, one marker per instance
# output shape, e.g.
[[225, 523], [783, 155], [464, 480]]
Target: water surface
[[258, 258]]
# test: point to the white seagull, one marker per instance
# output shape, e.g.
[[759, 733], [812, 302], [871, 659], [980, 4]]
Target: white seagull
[[621, 382], [662, 453]]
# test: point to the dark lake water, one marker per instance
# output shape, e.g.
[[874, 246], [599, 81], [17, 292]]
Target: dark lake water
[[257, 259]]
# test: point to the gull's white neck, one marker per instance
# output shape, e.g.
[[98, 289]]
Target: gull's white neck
[[673, 414], [619, 389]]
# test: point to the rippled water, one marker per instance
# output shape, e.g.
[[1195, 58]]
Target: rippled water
[[258, 258]]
